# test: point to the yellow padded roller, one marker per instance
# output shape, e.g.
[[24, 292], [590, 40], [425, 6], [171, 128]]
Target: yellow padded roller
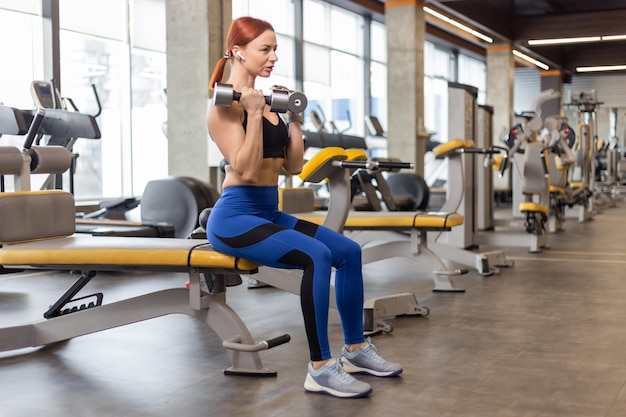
[[356, 154], [449, 147], [313, 170]]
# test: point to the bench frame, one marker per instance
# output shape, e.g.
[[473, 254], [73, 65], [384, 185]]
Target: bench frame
[[205, 300]]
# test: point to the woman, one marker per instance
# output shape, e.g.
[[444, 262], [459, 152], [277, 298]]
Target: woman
[[246, 222]]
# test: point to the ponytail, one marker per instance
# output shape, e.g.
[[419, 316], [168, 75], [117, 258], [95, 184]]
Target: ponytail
[[218, 72]]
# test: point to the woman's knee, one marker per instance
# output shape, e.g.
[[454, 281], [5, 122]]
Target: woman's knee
[[351, 249], [321, 253]]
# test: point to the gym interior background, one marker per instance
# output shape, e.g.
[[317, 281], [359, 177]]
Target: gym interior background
[[120, 47], [543, 339]]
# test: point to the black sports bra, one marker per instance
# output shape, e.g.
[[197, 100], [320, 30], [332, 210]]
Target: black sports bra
[[275, 137]]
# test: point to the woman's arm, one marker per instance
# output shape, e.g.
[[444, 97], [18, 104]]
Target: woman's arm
[[242, 149], [294, 151]]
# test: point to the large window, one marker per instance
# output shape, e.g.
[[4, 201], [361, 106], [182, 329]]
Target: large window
[[442, 65], [378, 72], [22, 55], [87, 60], [438, 70], [126, 64], [334, 67], [21, 64], [106, 45], [473, 72]]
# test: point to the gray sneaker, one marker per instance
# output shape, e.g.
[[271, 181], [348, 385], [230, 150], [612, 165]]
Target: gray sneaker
[[332, 379], [366, 360]]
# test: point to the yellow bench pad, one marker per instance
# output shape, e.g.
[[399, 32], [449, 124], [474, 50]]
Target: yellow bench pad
[[533, 207], [99, 253], [392, 220], [556, 190]]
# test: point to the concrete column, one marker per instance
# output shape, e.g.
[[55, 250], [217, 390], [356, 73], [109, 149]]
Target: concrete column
[[220, 18], [406, 33], [195, 41], [620, 129], [552, 79], [500, 88]]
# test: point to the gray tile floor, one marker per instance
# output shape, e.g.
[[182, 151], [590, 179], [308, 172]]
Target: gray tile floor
[[545, 338]]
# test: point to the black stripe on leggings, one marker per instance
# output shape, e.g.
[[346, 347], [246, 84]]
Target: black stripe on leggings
[[308, 228], [299, 258], [252, 236]]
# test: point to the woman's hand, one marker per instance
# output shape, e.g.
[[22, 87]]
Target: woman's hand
[[252, 100]]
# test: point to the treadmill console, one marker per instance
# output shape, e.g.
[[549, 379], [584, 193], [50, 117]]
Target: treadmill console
[[44, 95]]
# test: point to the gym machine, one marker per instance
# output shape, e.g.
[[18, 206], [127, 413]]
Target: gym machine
[[527, 158], [583, 176], [559, 138], [470, 184], [169, 207], [45, 96]]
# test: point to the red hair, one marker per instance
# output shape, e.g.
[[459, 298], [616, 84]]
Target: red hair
[[242, 31]]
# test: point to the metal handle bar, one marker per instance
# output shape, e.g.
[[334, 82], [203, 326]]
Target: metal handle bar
[[234, 343], [373, 164]]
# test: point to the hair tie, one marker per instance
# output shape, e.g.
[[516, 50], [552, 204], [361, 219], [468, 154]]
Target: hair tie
[[227, 54]]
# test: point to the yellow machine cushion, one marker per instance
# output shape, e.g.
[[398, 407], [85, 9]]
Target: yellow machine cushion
[[103, 252], [578, 184], [312, 168], [533, 207], [393, 220], [355, 154], [556, 190], [449, 147], [497, 163]]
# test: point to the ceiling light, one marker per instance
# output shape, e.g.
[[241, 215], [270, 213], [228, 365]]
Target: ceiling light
[[601, 68], [531, 60], [537, 42], [458, 25], [560, 41], [613, 37]]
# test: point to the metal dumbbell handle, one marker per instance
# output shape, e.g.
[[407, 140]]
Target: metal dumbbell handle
[[279, 101], [373, 165]]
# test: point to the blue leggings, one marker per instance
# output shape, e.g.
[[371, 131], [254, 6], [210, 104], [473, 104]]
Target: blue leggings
[[246, 222]]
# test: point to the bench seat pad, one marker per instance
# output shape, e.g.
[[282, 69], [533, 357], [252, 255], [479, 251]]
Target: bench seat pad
[[392, 220], [103, 252], [533, 207]]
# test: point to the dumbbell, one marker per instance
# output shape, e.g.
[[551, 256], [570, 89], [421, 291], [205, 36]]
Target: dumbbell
[[279, 101]]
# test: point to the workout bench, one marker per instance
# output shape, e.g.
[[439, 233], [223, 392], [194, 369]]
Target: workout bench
[[335, 165], [331, 163], [37, 231]]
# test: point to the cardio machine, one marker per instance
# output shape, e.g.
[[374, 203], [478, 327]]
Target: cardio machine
[[169, 206]]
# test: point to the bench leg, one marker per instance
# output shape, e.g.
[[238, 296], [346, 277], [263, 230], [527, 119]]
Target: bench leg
[[419, 252], [485, 263], [211, 307], [214, 311]]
